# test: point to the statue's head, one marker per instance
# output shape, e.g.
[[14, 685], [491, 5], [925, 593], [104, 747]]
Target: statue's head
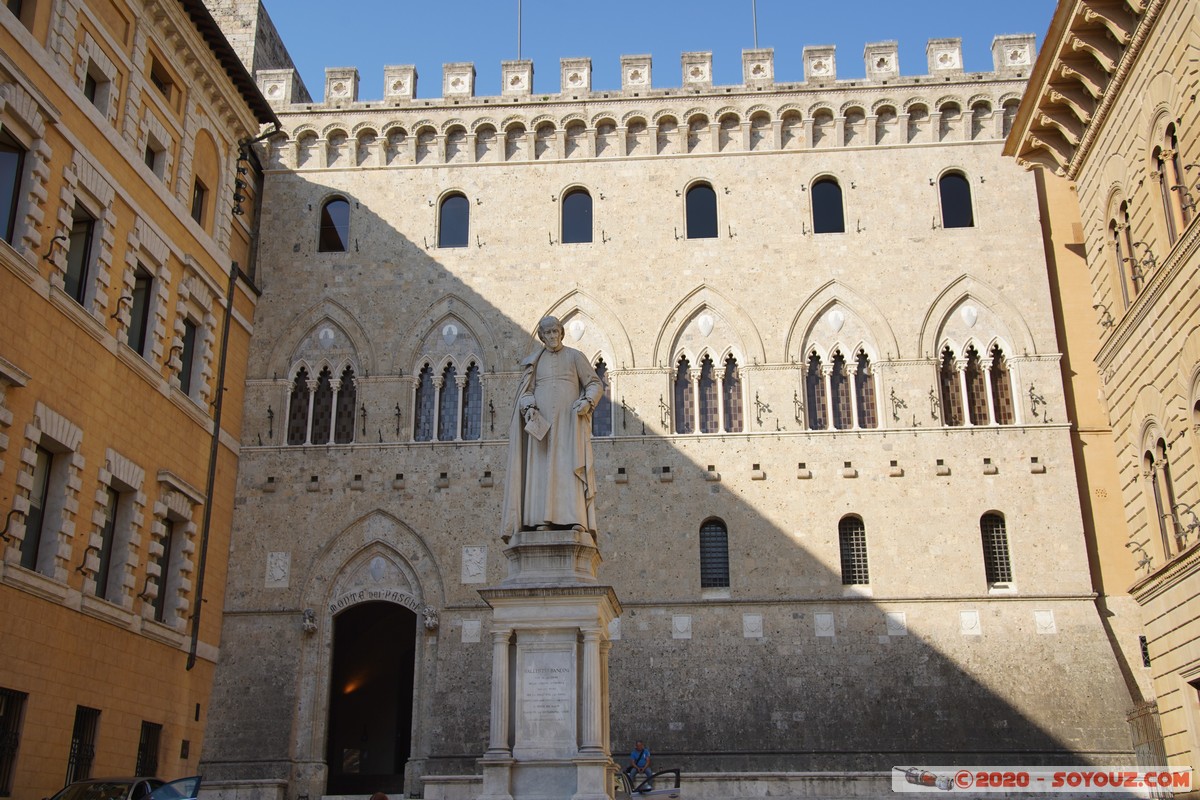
[[552, 328]]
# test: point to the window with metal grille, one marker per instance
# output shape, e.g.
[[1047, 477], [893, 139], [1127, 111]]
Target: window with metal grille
[[448, 405], [83, 744], [472, 413], [996, 563], [684, 395], [852, 540], [424, 417], [714, 555], [147, 754], [12, 710], [347, 401], [602, 424], [732, 388], [297, 427], [707, 396]]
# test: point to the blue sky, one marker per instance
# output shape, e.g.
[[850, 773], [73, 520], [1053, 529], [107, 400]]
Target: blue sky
[[371, 33]]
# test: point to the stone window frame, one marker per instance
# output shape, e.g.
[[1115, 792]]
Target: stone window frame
[[146, 249], [83, 185], [686, 194], [91, 60], [11, 376], [1125, 274], [574, 190], [972, 206], [23, 119], [818, 399], [713, 555], [1158, 489], [313, 370], [195, 301], [437, 372], [181, 503], [53, 431], [342, 231], [440, 205], [126, 478], [825, 178], [986, 350], [690, 398], [153, 135], [1164, 165]]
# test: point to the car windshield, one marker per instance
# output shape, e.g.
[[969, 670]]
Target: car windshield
[[95, 790], [182, 789]]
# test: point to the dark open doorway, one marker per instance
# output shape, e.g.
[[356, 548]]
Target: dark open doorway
[[370, 699]]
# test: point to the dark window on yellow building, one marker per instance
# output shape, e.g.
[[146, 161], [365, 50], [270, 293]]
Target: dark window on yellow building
[[139, 308], [35, 520], [12, 169], [12, 710], [79, 253], [108, 541], [187, 357], [199, 197], [164, 575], [161, 78], [83, 744], [147, 754]]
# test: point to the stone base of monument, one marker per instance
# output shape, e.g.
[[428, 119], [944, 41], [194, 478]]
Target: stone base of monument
[[549, 718]]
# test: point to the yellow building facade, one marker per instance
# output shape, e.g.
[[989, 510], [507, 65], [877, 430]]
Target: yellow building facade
[[1111, 117], [127, 214]]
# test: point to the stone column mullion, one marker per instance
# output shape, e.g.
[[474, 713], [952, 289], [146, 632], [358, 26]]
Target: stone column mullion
[[872, 123], [852, 388], [721, 410], [498, 744], [460, 382], [694, 377], [622, 144], [682, 131], [839, 131], [592, 727], [776, 134], [438, 383], [589, 137], [935, 126], [605, 735], [961, 369], [827, 376], [807, 122], [337, 387], [312, 390], [469, 142]]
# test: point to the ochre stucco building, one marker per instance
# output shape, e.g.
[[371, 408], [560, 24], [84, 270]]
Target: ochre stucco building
[[127, 213]]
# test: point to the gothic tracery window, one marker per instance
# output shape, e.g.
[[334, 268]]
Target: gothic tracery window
[[839, 390], [814, 394], [864, 392], [347, 400], [297, 424], [951, 392], [448, 405], [732, 396], [425, 410], [322, 411], [1002, 393], [710, 413], [684, 397], [472, 402]]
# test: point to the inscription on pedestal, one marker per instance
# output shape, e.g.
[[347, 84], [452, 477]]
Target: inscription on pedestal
[[547, 701]]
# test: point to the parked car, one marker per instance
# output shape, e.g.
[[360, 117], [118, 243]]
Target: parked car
[[627, 791], [142, 788]]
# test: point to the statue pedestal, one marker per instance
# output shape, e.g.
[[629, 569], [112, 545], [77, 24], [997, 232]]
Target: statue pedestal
[[549, 728]]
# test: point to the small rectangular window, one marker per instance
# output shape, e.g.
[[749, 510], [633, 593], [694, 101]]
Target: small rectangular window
[[187, 358], [12, 170], [147, 754], [83, 744], [108, 537], [79, 253], [139, 309], [12, 710], [199, 194], [96, 87], [161, 79]]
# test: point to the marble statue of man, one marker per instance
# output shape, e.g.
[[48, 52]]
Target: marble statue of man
[[551, 482]]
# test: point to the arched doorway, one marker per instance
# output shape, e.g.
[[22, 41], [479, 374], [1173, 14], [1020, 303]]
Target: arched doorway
[[370, 699]]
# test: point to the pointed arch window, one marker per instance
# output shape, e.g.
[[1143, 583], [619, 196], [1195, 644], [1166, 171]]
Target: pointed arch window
[[448, 405], [1002, 393], [577, 217], [977, 395], [731, 395], [298, 407], [322, 412], [955, 193], [710, 412], [827, 210], [423, 419], [684, 397], [602, 422], [714, 555], [472, 402], [335, 226], [1172, 184], [814, 394], [454, 221], [839, 390], [951, 390], [1118, 232], [997, 565], [701, 208], [347, 400], [1158, 473], [864, 392], [852, 543]]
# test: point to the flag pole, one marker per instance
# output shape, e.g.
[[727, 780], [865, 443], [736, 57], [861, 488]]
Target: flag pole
[[754, 17], [518, 30]]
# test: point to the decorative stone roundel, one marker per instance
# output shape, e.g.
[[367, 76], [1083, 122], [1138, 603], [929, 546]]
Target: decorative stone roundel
[[705, 323], [1018, 56], [947, 59], [398, 86], [696, 73], [835, 319], [514, 81], [637, 76], [377, 568], [969, 315], [575, 329], [274, 89], [449, 333], [339, 88], [574, 79], [325, 338], [820, 67]]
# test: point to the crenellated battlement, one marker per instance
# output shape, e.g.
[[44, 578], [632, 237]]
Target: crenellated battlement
[[1012, 57]]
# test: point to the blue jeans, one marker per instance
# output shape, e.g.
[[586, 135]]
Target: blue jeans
[[632, 772]]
